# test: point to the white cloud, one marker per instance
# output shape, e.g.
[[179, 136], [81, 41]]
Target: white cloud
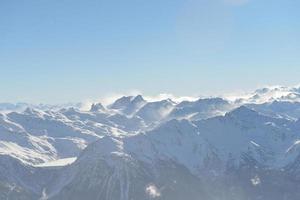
[[152, 191], [86, 105], [175, 98], [110, 98], [255, 180]]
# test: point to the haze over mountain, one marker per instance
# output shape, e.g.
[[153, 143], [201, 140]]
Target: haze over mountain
[[211, 148]]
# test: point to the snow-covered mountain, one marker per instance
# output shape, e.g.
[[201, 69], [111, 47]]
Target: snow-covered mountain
[[9, 107], [154, 112], [269, 94], [212, 148], [201, 109], [284, 109], [128, 105]]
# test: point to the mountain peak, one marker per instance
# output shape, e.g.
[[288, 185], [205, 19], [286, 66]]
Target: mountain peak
[[103, 147], [97, 107], [138, 98], [121, 102], [167, 101], [128, 105], [243, 112]]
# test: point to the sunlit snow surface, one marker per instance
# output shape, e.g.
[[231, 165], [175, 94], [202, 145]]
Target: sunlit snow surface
[[58, 163], [138, 145]]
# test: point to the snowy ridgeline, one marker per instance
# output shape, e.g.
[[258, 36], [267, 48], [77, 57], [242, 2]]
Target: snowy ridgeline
[[245, 147]]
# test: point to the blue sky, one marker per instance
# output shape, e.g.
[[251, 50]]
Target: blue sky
[[69, 50]]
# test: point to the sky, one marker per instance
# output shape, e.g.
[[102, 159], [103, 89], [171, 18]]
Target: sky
[[55, 51]]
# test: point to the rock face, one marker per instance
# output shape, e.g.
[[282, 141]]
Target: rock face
[[210, 149], [128, 105], [98, 107]]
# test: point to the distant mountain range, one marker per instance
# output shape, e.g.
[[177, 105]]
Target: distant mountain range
[[239, 148]]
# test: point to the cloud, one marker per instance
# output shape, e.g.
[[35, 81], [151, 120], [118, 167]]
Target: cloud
[[152, 191], [86, 105], [256, 181], [108, 99], [175, 98]]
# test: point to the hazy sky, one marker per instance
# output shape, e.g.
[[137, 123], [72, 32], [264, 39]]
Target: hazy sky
[[70, 50]]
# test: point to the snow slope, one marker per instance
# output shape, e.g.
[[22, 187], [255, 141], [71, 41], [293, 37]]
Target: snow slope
[[243, 148], [204, 149]]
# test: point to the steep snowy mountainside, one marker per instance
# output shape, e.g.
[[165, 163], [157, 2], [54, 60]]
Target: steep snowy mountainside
[[245, 148], [155, 112], [244, 128], [284, 109], [212, 150], [34, 136], [201, 109], [47, 123], [229, 136], [242, 123], [111, 122], [16, 180], [131, 161], [66, 132], [17, 143], [128, 105]]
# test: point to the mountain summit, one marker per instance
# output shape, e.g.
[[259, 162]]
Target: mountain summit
[[212, 148]]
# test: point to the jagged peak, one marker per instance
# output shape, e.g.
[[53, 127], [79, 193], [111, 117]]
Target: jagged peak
[[125, 101], [96, 107], [164, 101], [138, 98]]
